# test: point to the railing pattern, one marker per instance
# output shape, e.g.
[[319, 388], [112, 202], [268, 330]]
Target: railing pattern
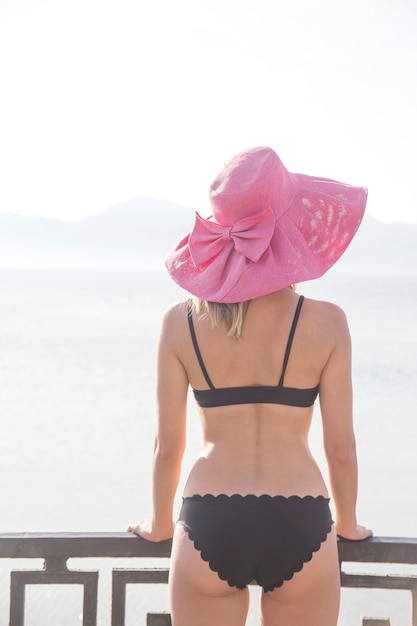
[[56, 548]]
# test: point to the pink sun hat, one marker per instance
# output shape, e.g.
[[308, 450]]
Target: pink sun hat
[[269, 229]]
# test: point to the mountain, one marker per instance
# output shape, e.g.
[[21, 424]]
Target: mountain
[[128, 235], [381, 248], [139, 233]]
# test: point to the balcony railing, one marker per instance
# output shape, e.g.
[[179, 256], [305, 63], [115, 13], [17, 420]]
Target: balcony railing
[[54, 549]]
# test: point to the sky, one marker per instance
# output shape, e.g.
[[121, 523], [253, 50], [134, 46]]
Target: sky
[[103, 101]]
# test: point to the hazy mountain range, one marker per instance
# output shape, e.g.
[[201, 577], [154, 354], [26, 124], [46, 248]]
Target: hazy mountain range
[[139, 233]]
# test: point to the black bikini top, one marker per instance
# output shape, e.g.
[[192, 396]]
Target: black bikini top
[[226, 396]]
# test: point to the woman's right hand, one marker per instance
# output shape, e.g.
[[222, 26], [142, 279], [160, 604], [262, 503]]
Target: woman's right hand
[[357, 534]]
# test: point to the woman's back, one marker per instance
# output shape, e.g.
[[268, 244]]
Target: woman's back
[[265, 441]]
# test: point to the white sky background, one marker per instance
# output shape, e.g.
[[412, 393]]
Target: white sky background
[[102, 101]]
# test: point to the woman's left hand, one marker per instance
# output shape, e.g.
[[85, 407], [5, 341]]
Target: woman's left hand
[[146, 530]]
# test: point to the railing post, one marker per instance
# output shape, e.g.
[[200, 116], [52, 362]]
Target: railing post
[[54, 572], [158, 619], [17, 601]]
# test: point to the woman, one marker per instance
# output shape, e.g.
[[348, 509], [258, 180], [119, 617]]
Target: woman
[[255, 507]]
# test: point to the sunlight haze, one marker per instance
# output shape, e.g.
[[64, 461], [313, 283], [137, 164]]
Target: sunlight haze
[[104, 101]]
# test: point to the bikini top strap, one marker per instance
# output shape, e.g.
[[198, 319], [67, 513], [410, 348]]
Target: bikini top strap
[[195, 344], [290, 339]]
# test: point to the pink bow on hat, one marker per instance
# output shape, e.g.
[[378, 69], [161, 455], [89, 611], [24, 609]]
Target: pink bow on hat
[[250, 236]]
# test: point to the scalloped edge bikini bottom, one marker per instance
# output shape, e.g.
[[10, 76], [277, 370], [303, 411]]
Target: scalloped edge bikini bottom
[[249, 538]]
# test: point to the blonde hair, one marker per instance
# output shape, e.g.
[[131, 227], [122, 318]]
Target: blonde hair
[[233, 314]]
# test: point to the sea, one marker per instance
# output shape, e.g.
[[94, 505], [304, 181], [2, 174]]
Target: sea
[[77, 418]]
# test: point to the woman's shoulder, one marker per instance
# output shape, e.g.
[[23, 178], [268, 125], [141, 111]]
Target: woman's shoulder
[[325, 314], [324, 307], [174, 325], [175, 315], [177, 309]]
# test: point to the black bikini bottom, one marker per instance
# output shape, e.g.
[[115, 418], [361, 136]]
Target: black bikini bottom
[[256, 538]]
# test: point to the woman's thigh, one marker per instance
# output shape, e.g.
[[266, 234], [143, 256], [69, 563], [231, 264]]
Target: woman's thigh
[[311, 597], [197, 594]]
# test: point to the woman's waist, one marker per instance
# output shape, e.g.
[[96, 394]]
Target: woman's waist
[[299, 476]]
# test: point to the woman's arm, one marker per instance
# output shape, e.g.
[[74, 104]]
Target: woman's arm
[[172, 385], [338, 432]]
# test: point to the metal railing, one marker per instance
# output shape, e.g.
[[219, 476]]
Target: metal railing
[[55, 549]]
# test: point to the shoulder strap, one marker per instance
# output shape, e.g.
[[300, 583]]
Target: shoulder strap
[[196, 348], [290, 339]]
